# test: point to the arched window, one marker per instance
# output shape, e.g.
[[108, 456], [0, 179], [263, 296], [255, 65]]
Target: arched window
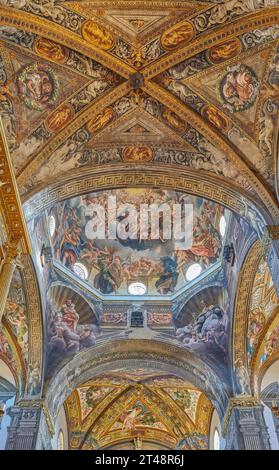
[[60, 440], [51, 225], [216, 440]]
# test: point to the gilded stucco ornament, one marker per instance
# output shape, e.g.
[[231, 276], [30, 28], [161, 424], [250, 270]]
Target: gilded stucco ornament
[[102, 56]]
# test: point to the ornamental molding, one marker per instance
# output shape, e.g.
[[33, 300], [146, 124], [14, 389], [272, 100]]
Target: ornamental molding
[[10, 200], [258, 20], [123, 352], [242, 303], [243, 402], [30, 22], [199, 183], [273, 232], [79, 120], [273, 358], [258, 370], [216, 138], [47, 29], [35, 324]]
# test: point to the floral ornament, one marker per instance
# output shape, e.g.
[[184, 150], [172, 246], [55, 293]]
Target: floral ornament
[[37, 86], [239, 88]]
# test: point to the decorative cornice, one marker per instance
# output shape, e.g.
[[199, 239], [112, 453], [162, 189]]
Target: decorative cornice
[[199, 183]]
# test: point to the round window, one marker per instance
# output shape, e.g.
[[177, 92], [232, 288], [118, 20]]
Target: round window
[[137, 288], [80, 270], [193, 271]]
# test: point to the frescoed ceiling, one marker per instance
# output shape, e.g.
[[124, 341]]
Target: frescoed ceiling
[[186, 83], [110, 265], [128, 405]]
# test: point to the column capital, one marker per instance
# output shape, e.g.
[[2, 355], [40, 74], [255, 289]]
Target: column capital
[[244, 425], [39, 404], [238, 402]]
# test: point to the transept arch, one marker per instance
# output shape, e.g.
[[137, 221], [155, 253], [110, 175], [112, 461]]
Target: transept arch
[[144, 355]]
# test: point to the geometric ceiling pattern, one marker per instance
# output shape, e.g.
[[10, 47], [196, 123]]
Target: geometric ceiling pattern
[[74, 70], [135, 406]]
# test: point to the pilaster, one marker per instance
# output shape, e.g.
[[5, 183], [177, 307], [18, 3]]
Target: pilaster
[[244, 426], [31, 427]]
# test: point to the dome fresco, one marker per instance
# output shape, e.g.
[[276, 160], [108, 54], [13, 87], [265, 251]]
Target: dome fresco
[[111, 265]]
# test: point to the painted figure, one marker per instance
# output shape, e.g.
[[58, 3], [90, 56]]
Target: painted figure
[[37, 86], [58, 120], [168, 279], [174, 36], [239, 88], [100, 121], [51, 50], [225, 51], [97, 36]]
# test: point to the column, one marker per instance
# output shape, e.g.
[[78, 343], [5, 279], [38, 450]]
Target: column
[[244, 426], [30, 428], [6, 275]]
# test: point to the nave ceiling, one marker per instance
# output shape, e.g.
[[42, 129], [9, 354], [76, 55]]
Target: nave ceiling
[[191, 63], [149, 100]]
